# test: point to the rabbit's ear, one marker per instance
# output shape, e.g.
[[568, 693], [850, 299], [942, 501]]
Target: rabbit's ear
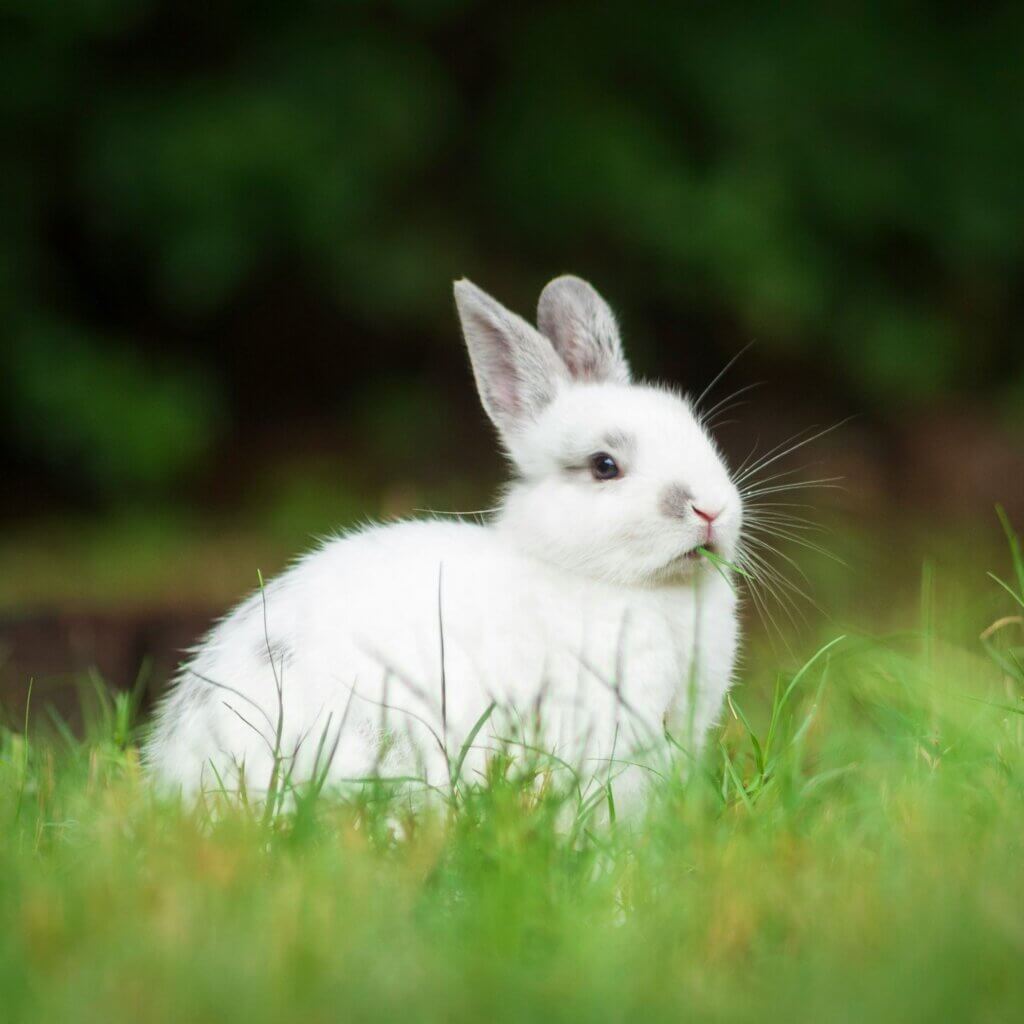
[[517, 371], [583, 330]]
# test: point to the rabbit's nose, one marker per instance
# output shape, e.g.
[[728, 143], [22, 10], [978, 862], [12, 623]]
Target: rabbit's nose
[[708, 517]]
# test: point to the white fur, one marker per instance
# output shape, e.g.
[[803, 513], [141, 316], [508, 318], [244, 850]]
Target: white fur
[[575, 604]]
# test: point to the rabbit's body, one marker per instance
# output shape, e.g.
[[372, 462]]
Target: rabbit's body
[[583, 610], [356, 626]]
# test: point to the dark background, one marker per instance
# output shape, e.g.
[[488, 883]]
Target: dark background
[[229, 232]]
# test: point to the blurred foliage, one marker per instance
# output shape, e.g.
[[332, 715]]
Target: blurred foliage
[[841, 183], [105, 413]]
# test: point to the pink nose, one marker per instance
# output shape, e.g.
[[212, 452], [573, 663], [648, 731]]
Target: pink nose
[[708, 517]]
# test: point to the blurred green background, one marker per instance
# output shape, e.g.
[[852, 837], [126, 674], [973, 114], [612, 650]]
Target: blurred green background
[[229, 233]]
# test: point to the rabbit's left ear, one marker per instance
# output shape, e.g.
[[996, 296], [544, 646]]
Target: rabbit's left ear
[[582, 328]]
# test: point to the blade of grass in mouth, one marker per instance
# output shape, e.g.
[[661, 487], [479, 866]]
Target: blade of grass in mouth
[[719, 562]]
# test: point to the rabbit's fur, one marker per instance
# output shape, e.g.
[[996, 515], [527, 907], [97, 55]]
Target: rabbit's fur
[[579, 606]]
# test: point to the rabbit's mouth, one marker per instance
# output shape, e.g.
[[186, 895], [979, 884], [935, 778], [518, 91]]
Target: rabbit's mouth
[[700, 551], [689, 563], [689, 559]]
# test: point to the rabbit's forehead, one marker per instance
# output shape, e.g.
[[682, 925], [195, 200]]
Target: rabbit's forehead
[[622, 417]]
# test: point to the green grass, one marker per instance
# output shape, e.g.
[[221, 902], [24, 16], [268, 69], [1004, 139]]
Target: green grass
[[850, 847]]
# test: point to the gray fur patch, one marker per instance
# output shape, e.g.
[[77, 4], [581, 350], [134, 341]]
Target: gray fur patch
[[202, 695], [275, 652], [675, 501], [619, 441]]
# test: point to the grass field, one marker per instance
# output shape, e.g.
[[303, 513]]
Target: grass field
[[849, 847]]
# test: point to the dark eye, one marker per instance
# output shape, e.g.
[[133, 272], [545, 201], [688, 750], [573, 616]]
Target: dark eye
[[604, 467]]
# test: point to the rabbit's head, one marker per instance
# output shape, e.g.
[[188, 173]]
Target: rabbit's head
[[613, 479]]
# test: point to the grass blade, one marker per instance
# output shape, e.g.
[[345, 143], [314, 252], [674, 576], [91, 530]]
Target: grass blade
[[1016, 555], [468, 742]]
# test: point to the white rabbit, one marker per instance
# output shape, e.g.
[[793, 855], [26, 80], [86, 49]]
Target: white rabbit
[[584, 600]]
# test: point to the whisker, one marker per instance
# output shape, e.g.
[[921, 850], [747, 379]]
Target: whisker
[[764, 546], [771, 585], [747, 458], [775, 573], [780, 475], [783, 588], [763, 460], [789, 522], [721, 373], [810, 545], [825, 483], [779, 504], [770, 529], [755, 581], [775, 582], [729, 402], [794, 447]]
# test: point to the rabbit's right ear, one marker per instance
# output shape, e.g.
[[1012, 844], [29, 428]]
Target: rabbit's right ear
[[583, 331], [517, 371]]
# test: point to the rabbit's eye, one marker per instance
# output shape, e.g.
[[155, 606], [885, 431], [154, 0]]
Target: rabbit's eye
[[604, 467]]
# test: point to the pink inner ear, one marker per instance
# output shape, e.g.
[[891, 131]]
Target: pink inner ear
[[582, 362], [503, 393], [580, 343], [503, 386]]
